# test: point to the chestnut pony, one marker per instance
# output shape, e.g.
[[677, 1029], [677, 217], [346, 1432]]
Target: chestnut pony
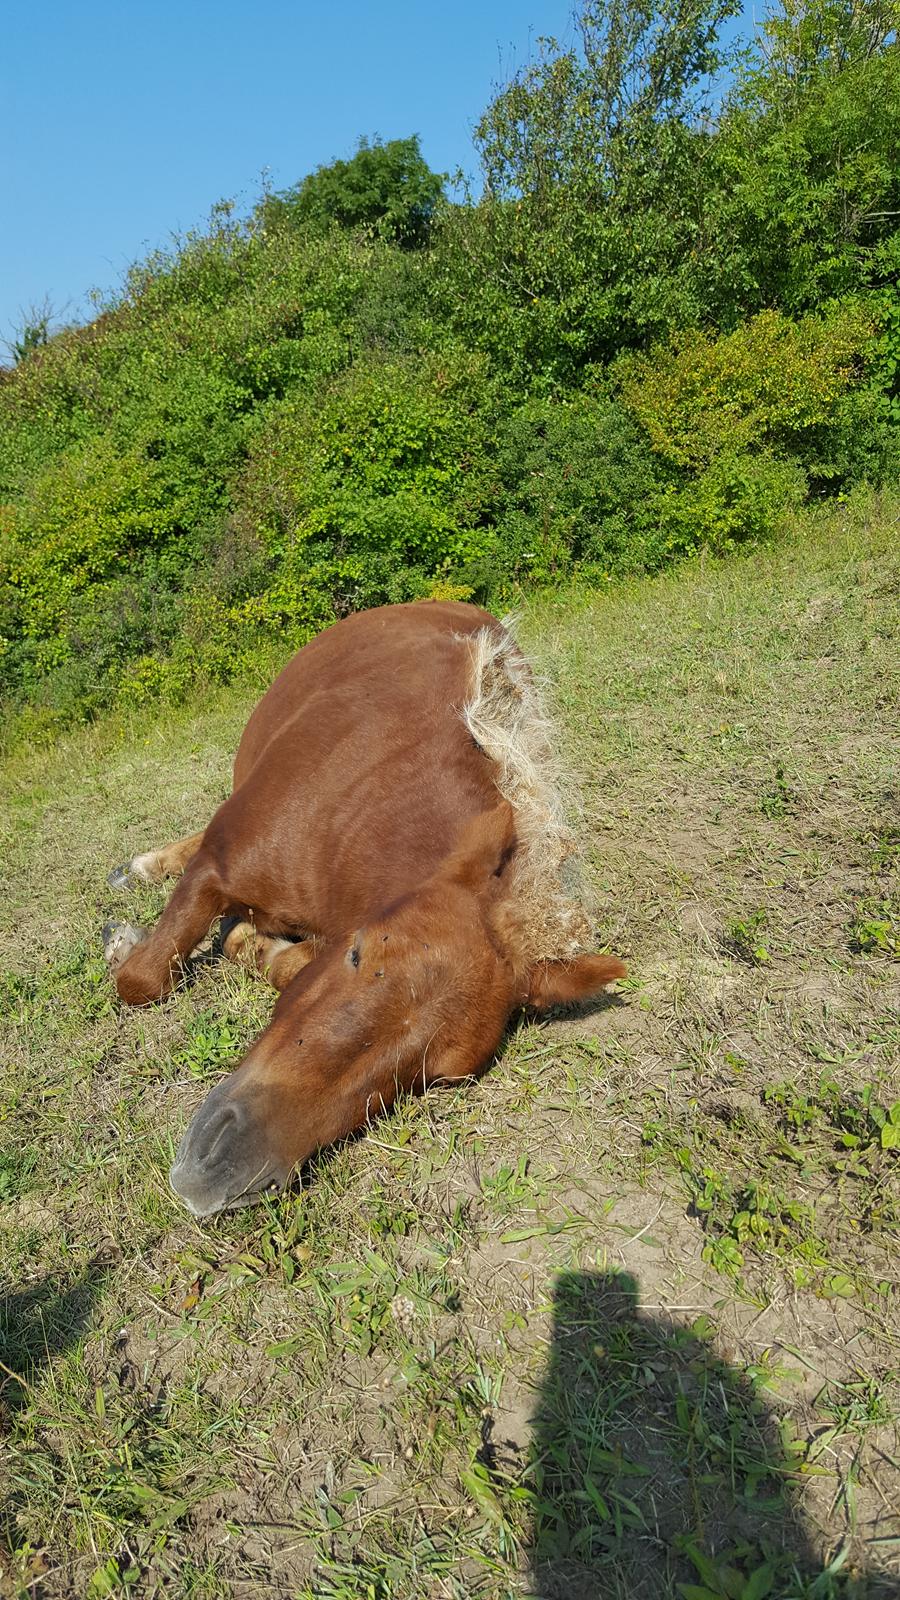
[[393, 859]]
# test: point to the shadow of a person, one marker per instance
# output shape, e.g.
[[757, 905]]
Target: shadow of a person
[[36, 1325], [657, 1469], [39, 1323]]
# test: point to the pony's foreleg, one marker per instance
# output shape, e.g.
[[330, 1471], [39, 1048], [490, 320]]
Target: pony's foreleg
[[146, 964], [278, 960], [155, 865]]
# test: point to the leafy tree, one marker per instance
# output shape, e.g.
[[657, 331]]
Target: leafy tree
[[593, 161], [386, 188], [804, 175], [623, 201], [671, 316], [805, 44], [585, 118]]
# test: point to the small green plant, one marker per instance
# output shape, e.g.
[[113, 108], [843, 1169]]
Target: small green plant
[[744, 939], [883, 849], [851, 1120], [875, 929], [16, 1169], [510, 1188], [211, 1044], [890, 1127], [779, 800], [875, 926], [757, 1216], [852, 1407], [727, 1577]]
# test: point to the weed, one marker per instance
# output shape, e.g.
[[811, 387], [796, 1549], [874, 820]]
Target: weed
[[211, 1044], [875, 929], [779, 800], [743, 939]]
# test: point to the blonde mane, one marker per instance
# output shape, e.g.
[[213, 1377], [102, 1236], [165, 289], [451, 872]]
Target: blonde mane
[[550, 914]]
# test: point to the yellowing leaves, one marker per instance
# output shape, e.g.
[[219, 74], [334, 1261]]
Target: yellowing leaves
[[762, 385]]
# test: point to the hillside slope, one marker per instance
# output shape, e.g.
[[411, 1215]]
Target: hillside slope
[[621, 1317]]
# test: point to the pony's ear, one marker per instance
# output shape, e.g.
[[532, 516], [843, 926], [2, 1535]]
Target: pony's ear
[[484, 847], [558, 983]]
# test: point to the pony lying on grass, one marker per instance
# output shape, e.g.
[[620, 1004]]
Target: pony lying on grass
[[393, 858]]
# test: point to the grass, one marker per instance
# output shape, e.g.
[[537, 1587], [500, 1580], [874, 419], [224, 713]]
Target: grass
[[622, 1319]]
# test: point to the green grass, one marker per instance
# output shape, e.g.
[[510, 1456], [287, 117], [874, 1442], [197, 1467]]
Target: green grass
[[621, 1320]]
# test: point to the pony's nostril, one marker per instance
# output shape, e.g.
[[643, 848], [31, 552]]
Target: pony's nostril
[[220, 1131], [216, 1134], [225, 1156]]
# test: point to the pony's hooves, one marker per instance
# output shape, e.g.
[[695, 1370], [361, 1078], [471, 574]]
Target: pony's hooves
[[120, 877], [119, 939]]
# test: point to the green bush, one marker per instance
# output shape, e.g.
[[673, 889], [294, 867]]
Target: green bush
[[667, 319], [735, 499], [589, 494], [772, 383], [381, 483], [580, 484], [386, 188], [745, 422], [375, 489], [87, 520], [885, 384]]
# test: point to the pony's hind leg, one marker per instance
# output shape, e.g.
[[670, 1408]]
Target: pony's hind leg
[[277, 960], [146, 964], [155, 865]]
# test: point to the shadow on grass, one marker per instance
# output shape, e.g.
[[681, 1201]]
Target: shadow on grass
[[658, 1470], [38, 1324]]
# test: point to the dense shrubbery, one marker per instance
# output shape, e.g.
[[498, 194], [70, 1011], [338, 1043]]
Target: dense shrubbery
[[657, 329], [388, 189]]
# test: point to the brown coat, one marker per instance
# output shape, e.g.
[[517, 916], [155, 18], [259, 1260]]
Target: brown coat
[[367, 823]]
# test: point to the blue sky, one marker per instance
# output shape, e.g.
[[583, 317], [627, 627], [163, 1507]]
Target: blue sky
[[122, 123]]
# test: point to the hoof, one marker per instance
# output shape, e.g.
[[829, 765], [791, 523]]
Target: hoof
[[227, 926], [238, 941], [120, 877], [119, 939]]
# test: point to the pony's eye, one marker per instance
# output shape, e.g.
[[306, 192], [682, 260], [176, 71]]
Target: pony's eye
[[353, 956]]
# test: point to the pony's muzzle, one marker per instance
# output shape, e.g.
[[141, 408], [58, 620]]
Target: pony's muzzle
[[223, 1159]]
